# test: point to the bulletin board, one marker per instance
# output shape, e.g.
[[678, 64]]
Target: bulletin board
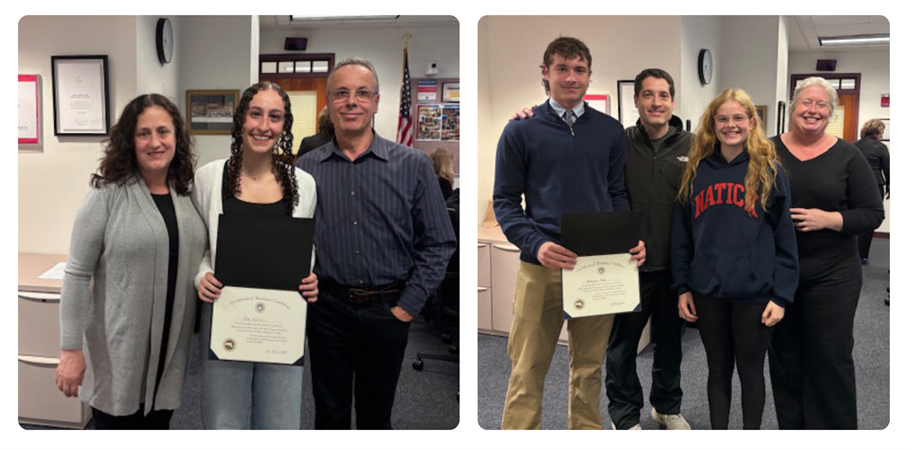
[[437, 115]]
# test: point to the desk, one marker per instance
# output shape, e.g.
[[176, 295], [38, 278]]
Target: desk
[[40, 402]]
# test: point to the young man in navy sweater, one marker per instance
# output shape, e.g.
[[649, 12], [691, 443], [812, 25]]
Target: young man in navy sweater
[[567, 158]]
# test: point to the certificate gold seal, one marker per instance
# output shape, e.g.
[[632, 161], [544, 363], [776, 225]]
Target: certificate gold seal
[[579, 304], [229, 344]]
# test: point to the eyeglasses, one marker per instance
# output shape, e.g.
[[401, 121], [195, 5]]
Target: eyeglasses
[[821, 104], [737, 119], [360, 94]]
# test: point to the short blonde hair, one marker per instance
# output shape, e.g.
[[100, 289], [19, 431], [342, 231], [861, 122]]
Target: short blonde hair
[[815, 81]]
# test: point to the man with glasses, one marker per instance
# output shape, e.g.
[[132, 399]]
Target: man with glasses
[[383, 239], [567, 158]]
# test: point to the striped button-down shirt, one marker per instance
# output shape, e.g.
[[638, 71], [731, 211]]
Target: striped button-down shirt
[[380, 219]]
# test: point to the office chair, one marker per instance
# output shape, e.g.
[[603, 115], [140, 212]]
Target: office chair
[[443, 308]]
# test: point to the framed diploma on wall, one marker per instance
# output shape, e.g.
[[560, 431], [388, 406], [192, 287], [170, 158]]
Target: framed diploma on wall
[[81, 95], [30, 110]]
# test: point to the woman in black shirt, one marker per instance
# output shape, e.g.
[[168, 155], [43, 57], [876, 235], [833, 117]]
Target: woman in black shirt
[[834, 198]]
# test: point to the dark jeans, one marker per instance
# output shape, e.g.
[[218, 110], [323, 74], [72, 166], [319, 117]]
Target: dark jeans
[[355, 354], [864, 240], [155, 420], [811, 357], [623, 387], [732, 332]]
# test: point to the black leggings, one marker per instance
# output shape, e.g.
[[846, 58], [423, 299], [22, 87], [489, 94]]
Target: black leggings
[[732, 331], [155, 420]]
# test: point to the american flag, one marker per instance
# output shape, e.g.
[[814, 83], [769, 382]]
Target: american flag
[[405, 124]]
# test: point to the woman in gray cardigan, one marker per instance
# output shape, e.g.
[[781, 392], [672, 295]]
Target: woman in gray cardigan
[[127, 305]]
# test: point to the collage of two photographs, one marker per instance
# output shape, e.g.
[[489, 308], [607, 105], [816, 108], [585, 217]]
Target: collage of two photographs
[[255, 222]]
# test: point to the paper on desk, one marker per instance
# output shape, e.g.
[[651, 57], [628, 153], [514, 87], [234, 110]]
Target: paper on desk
[[56, 272]]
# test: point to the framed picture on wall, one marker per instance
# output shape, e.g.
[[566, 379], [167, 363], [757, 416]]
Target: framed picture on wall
[[429, 122], [886, 135], [211, 111], [30, 110], [450, 92], [628, 113], [451, 122], [762, 115], [81, 99]]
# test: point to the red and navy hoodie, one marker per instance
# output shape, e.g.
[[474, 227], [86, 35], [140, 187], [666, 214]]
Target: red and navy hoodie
[[720, 249]]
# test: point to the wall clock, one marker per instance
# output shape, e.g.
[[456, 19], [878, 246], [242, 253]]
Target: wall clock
[[164, 40], [705, 66]]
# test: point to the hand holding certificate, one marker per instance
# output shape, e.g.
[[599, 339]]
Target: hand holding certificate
[[604, 280], [260, 316]]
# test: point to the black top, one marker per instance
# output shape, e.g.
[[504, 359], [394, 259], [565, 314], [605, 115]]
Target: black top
[[308, 144], [166, 206], [879, 159], [446, 187], [837, 180], [232, 205]]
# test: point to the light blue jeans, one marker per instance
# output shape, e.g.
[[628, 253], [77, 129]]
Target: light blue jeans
[[240, 395]]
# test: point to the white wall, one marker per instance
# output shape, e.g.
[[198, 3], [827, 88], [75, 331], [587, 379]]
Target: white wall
[[215, 52], [53, 182], [692, 97], [750, 59], [383, 47], [510, 56]]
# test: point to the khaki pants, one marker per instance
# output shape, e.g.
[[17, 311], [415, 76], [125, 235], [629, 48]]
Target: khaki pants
[[532, 340]]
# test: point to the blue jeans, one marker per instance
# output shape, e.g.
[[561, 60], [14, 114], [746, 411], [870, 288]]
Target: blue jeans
[[241, 395]]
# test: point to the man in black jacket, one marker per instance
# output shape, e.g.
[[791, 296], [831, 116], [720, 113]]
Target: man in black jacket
[[656, 156]]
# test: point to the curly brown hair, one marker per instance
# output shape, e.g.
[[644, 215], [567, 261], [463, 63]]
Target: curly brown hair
[[282, 156], [118, 165]]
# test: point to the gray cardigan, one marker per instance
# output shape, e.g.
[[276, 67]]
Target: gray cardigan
[[114, 295]]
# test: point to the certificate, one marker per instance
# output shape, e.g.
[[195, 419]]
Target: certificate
[[80, 95], [259, 325], [601, 285], [260, 316], [604, 280]]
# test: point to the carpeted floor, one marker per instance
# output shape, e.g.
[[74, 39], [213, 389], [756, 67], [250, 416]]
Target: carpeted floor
[[871, 355]]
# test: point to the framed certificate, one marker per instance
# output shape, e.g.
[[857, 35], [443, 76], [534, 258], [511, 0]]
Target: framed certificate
[[81, 99], [259, 325], [30, 110], [605, 279]]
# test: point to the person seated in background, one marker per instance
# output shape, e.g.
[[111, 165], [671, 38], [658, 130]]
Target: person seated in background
[[442, 164]]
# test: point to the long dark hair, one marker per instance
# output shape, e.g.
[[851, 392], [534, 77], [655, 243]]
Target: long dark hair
[[282, 157], [118, 165]]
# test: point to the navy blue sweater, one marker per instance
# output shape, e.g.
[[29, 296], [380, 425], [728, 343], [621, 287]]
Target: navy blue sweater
[[721, 250], [557, 169]]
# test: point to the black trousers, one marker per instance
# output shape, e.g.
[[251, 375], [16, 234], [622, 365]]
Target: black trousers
[[732, 332], [811, 357], [864, 240], [155, 420], [355, 355], [623, 387]]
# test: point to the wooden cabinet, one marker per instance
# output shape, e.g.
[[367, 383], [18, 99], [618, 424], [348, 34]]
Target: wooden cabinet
[[40, 402]]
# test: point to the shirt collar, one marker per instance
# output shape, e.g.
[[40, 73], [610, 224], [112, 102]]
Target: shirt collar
[[378, 148], [579, 109]]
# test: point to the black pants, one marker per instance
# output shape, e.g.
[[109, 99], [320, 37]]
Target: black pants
[[623, 387], [732, 331], [155, 420], [864, 240], [811, 357], [356, 354]]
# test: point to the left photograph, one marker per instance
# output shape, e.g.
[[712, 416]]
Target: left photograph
[[238, 222]]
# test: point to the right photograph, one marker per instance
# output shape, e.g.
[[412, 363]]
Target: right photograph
[[683, 222]]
